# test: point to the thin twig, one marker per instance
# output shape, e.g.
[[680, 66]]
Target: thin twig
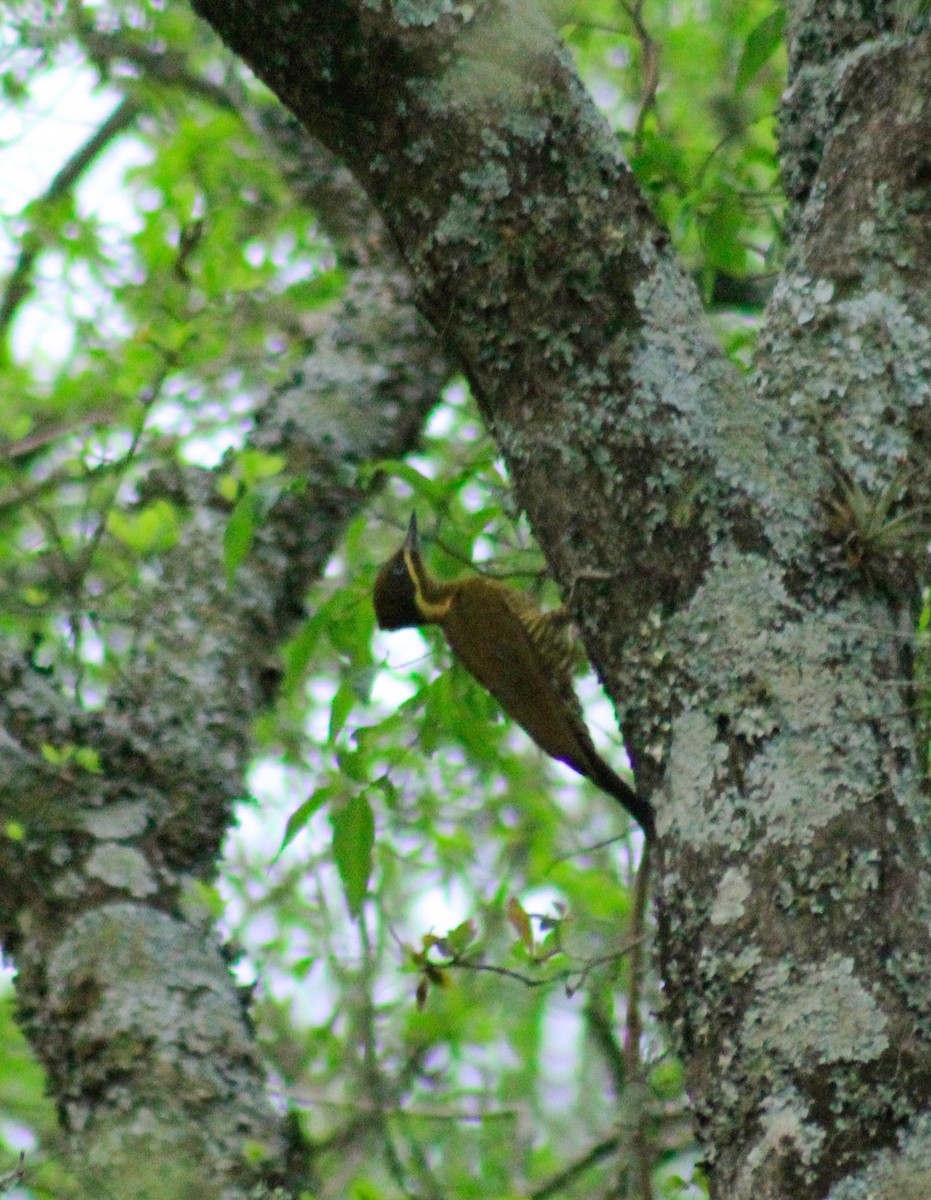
[[16, 1176], [556, 1183], [650, 51], [372, 1076], [84, 560], [535, 573], [589, 849], [165, 66], [600, 1029], [169, 69], [528, 981], [634, 1025]]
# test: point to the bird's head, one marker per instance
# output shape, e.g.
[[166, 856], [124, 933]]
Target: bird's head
[[397, 588]]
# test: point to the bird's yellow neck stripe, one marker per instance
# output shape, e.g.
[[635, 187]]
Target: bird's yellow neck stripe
[[434, 609]]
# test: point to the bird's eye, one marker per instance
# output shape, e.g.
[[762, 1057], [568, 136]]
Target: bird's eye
[[399, 568]]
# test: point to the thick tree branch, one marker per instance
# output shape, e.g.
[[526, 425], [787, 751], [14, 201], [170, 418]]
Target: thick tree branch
[[846, 359], [822, 40]]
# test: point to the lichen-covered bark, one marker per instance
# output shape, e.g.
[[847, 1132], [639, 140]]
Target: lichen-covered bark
[[761, 666], [840, 834], [821, 39], [125, 994]]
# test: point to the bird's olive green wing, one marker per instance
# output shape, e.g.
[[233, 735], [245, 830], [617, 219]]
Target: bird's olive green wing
[[512, 651], [498, 643], [551, 634]]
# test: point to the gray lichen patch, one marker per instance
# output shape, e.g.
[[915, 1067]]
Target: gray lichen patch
[[733, 891], [140, 970], [784, 1124], [493, 64], [116, 822], [121, 867], [832, 730], [817, 1013], [690, 779], [868, 364], [417, 13], [787, 775], [741, 601], [713, 410], [796, 711]]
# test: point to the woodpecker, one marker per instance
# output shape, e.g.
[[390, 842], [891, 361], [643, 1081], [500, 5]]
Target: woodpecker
[[518, 652]]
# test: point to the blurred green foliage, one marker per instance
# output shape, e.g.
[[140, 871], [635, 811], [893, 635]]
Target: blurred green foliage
[[437, 917]]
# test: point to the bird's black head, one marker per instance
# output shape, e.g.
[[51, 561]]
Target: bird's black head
[[395, 593]]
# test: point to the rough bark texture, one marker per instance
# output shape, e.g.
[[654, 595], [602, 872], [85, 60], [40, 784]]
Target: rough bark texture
[[123, 992], [759, 665]]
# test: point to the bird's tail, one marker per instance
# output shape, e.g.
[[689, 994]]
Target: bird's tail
[[609, 781]]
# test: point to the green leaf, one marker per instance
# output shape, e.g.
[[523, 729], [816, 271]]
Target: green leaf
[[299, 652], [252, 466], [518, 919], [239, 534], [319, 291], [204, 896], [340, 708], [57, 756], [667, 1078], [364, 1189], [353, 839], [460, 938], [421, 484], [353, 765], [760, 46], [388, 790], [721, 236], [148, 530], [12, 87], [88, 759], [302, 814]]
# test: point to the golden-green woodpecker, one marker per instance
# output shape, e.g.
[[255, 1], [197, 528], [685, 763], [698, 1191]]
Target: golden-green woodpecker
[[515, 650]]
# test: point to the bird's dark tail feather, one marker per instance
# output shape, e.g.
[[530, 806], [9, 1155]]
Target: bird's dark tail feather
[[641, 810]]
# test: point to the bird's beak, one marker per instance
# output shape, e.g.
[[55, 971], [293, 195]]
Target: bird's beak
[[412, 542]]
